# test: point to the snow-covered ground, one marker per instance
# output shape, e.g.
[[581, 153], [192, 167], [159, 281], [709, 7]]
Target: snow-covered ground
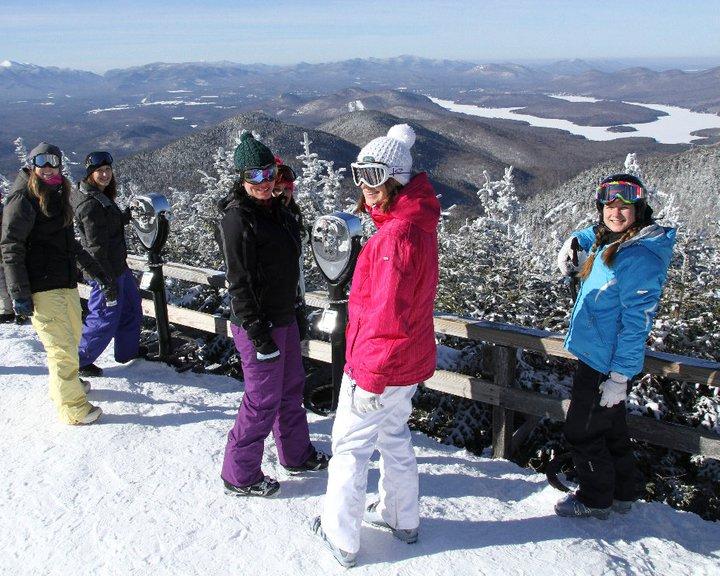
[[140, 493], [675, 128]]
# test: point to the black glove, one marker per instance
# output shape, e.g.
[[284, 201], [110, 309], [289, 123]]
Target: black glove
[[126, 215], [110, 293], [259, 334], [302, 320]]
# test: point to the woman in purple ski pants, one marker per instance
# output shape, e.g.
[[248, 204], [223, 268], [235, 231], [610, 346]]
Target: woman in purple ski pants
[[102, 232], [261, 245]]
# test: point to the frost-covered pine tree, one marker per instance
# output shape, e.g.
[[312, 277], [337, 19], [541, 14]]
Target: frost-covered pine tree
[[21, 151], [4, 192], [632, 166], [66, 166], [499, 202], [317, 188], [331, 183]]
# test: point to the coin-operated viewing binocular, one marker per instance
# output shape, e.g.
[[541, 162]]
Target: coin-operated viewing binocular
[[151, 215], [335, 242]]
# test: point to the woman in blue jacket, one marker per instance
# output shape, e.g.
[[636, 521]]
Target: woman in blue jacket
[[628, 255]]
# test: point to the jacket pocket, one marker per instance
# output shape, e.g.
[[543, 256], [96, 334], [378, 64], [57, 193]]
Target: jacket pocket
[[596, 328]]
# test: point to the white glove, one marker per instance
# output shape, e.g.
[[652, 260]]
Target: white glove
[[614, 390], [364, 401], [571, 257]]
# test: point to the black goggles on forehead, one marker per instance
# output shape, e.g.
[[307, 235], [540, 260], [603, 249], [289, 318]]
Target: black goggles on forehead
[[259, 175], [46, 159], [372, 174], [98, 159]]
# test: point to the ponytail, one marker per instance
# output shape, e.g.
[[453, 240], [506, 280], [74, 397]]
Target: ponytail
[[608, 256]]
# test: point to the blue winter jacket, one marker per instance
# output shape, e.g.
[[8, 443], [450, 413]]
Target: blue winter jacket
[[616, 305]]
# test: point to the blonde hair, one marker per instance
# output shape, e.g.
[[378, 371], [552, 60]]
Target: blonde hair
[[41, 192]]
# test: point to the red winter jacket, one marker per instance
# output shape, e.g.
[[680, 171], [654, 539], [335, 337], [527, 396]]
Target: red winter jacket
[[390, 335]]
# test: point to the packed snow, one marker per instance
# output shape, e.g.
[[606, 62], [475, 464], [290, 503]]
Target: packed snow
[[140, 493], [675, 128]]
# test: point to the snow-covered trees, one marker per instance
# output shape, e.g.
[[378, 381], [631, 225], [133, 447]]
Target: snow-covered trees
[[21, 151], [317, 188]]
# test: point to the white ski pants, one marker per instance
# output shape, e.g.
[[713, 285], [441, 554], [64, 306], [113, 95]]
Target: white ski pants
[[354, 439]]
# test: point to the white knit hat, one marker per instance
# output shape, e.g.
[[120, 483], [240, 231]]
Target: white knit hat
[[392, 150]]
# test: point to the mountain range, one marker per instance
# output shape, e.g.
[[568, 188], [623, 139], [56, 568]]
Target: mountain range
[[454, 149], [692, 89], [165, 121]]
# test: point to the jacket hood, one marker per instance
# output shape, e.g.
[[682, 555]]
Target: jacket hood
[[658, 239], [21, 181], [45, 148], [416, 202]]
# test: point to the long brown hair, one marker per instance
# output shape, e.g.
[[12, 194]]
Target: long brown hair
[[392, 188], [608, 256], [41, 192], [110, 190]]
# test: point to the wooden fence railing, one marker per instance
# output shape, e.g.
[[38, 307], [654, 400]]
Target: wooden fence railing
[[500, 392]]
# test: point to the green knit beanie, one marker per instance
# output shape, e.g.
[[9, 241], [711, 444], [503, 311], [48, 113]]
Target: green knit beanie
[[252, 154]]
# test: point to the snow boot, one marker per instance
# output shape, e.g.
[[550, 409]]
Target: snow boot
[[90, 370], [92, 416], [346, 559], [622, 506], [318, 461], [85, 384], [7, 318], [372, 516], [265, 487], [571, 507]]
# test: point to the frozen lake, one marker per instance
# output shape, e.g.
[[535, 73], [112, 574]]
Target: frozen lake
[[675, 128]]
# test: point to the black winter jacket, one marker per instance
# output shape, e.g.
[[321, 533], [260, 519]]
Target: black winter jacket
[[40, 252], [261, 245], [102, 227]]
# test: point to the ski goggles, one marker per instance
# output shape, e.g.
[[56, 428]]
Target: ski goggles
[[98, 159], [372, 174], [628, 192], [44, 159], [259, 175]]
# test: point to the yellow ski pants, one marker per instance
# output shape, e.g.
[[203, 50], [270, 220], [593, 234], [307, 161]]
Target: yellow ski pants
[[57, 320]]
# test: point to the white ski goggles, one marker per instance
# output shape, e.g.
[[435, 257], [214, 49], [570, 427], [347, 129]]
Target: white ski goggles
[[372, 174]]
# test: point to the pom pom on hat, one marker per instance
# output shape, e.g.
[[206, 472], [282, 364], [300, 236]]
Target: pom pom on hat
[[402, 133], [392, 150]]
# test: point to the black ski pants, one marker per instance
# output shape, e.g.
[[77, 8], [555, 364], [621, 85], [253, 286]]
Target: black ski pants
[[600, 443]]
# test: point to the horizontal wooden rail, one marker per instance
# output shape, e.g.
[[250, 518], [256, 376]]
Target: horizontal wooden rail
[[685, 368], [192, 274], [528, 402], [498, 395]]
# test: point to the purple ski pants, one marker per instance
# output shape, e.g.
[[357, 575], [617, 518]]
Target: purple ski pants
[[272, 403], [104, 323]]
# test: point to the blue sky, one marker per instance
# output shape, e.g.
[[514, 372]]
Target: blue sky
[[101, 35]]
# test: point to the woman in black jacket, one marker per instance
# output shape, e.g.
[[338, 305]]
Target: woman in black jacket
[[102, 231], [261, 244], [40, 255]]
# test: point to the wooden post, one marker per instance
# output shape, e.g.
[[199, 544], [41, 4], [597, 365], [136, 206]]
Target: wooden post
[[505, 362]]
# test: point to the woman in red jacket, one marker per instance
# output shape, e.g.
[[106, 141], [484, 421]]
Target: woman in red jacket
[[390, 349]]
